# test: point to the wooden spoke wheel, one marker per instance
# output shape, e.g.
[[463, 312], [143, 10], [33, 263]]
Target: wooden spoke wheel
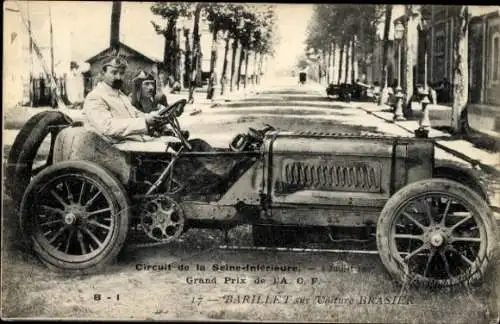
[[437, 233], [75, 214]]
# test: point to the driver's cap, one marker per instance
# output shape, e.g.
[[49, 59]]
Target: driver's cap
[[116, 62], [143, 76]]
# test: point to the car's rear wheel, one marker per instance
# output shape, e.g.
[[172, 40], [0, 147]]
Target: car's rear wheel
[[436, 233], [75, 216]]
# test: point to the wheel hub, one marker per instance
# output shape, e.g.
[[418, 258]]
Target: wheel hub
[[437, 240], [75, 215], [436, 236], [70, 218]]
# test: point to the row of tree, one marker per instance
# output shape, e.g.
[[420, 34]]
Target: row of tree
[[349, 28], [354, 29], [247, 27]]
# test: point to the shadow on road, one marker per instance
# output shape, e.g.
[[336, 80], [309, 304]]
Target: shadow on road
[[279, 103]]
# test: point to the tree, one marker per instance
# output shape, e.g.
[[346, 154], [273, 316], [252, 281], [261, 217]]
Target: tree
[[460, 67], [341, 58], [268, 38], [233, 63], [411, 21], [195, 63], [245, 29], [224, 64], [352, 27], [187, 59], [385, 51], [219, 16], [170, 11]]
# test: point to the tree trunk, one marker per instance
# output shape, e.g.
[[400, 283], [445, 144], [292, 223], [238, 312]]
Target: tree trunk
[[320, 67], [334, 49], [261, 62], [213, 61], [224, 67], [169, 54], [178, 54], [247, 54], [325, 64], [233, 63], [460, 67], [347, 62], [341, 58], [116, 10], [254, 68], [410, 51], [329, 64], [187, 59], [353, 60], [385, 51], [240, 65], [196, 52]]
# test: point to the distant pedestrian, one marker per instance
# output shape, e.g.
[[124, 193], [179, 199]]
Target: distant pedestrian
[[302, 77]]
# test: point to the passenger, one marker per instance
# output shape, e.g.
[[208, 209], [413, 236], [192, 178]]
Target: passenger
[[145, 96]]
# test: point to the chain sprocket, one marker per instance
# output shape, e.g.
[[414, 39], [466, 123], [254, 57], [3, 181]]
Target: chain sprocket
[[161, 220]]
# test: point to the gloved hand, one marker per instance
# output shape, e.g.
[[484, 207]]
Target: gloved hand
[[153, 119]]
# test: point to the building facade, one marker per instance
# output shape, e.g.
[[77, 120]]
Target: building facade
[[484, 56], [136, 62], [434, 45]]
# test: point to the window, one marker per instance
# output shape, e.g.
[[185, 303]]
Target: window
[[495, 57], [440, 44]]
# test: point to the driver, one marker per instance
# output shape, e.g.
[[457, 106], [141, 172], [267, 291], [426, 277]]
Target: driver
[[109, 112]]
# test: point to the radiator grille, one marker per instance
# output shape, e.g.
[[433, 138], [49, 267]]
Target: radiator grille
[[355, 177]]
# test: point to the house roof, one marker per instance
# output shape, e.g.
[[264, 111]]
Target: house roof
[[148, 57]]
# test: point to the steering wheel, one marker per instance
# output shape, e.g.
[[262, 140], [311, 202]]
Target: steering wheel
[[170, 114], [258, 135], [177, 108]]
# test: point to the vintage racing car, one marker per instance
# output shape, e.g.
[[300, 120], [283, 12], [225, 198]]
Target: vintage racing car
[[431, 222]]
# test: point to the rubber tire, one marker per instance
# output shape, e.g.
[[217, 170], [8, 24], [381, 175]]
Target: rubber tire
[[400, 198], [446, 171], [25, 148], [120, 202]]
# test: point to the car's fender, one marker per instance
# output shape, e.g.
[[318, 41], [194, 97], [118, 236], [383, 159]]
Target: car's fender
[[460, 173]]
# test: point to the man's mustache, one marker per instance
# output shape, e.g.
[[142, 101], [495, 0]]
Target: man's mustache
[[117, 84]]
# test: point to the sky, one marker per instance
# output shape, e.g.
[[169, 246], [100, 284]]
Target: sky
[[82, 29]]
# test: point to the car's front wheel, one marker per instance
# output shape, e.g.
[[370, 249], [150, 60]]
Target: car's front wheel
[[436, 233], [75, 215]]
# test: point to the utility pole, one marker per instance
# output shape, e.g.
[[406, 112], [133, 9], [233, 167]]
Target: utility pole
[[51, 44], [31, 93], [114, 41], [52, 70], [53, 84]]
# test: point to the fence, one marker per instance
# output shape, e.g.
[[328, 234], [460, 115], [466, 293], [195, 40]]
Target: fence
[[41, 93]]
